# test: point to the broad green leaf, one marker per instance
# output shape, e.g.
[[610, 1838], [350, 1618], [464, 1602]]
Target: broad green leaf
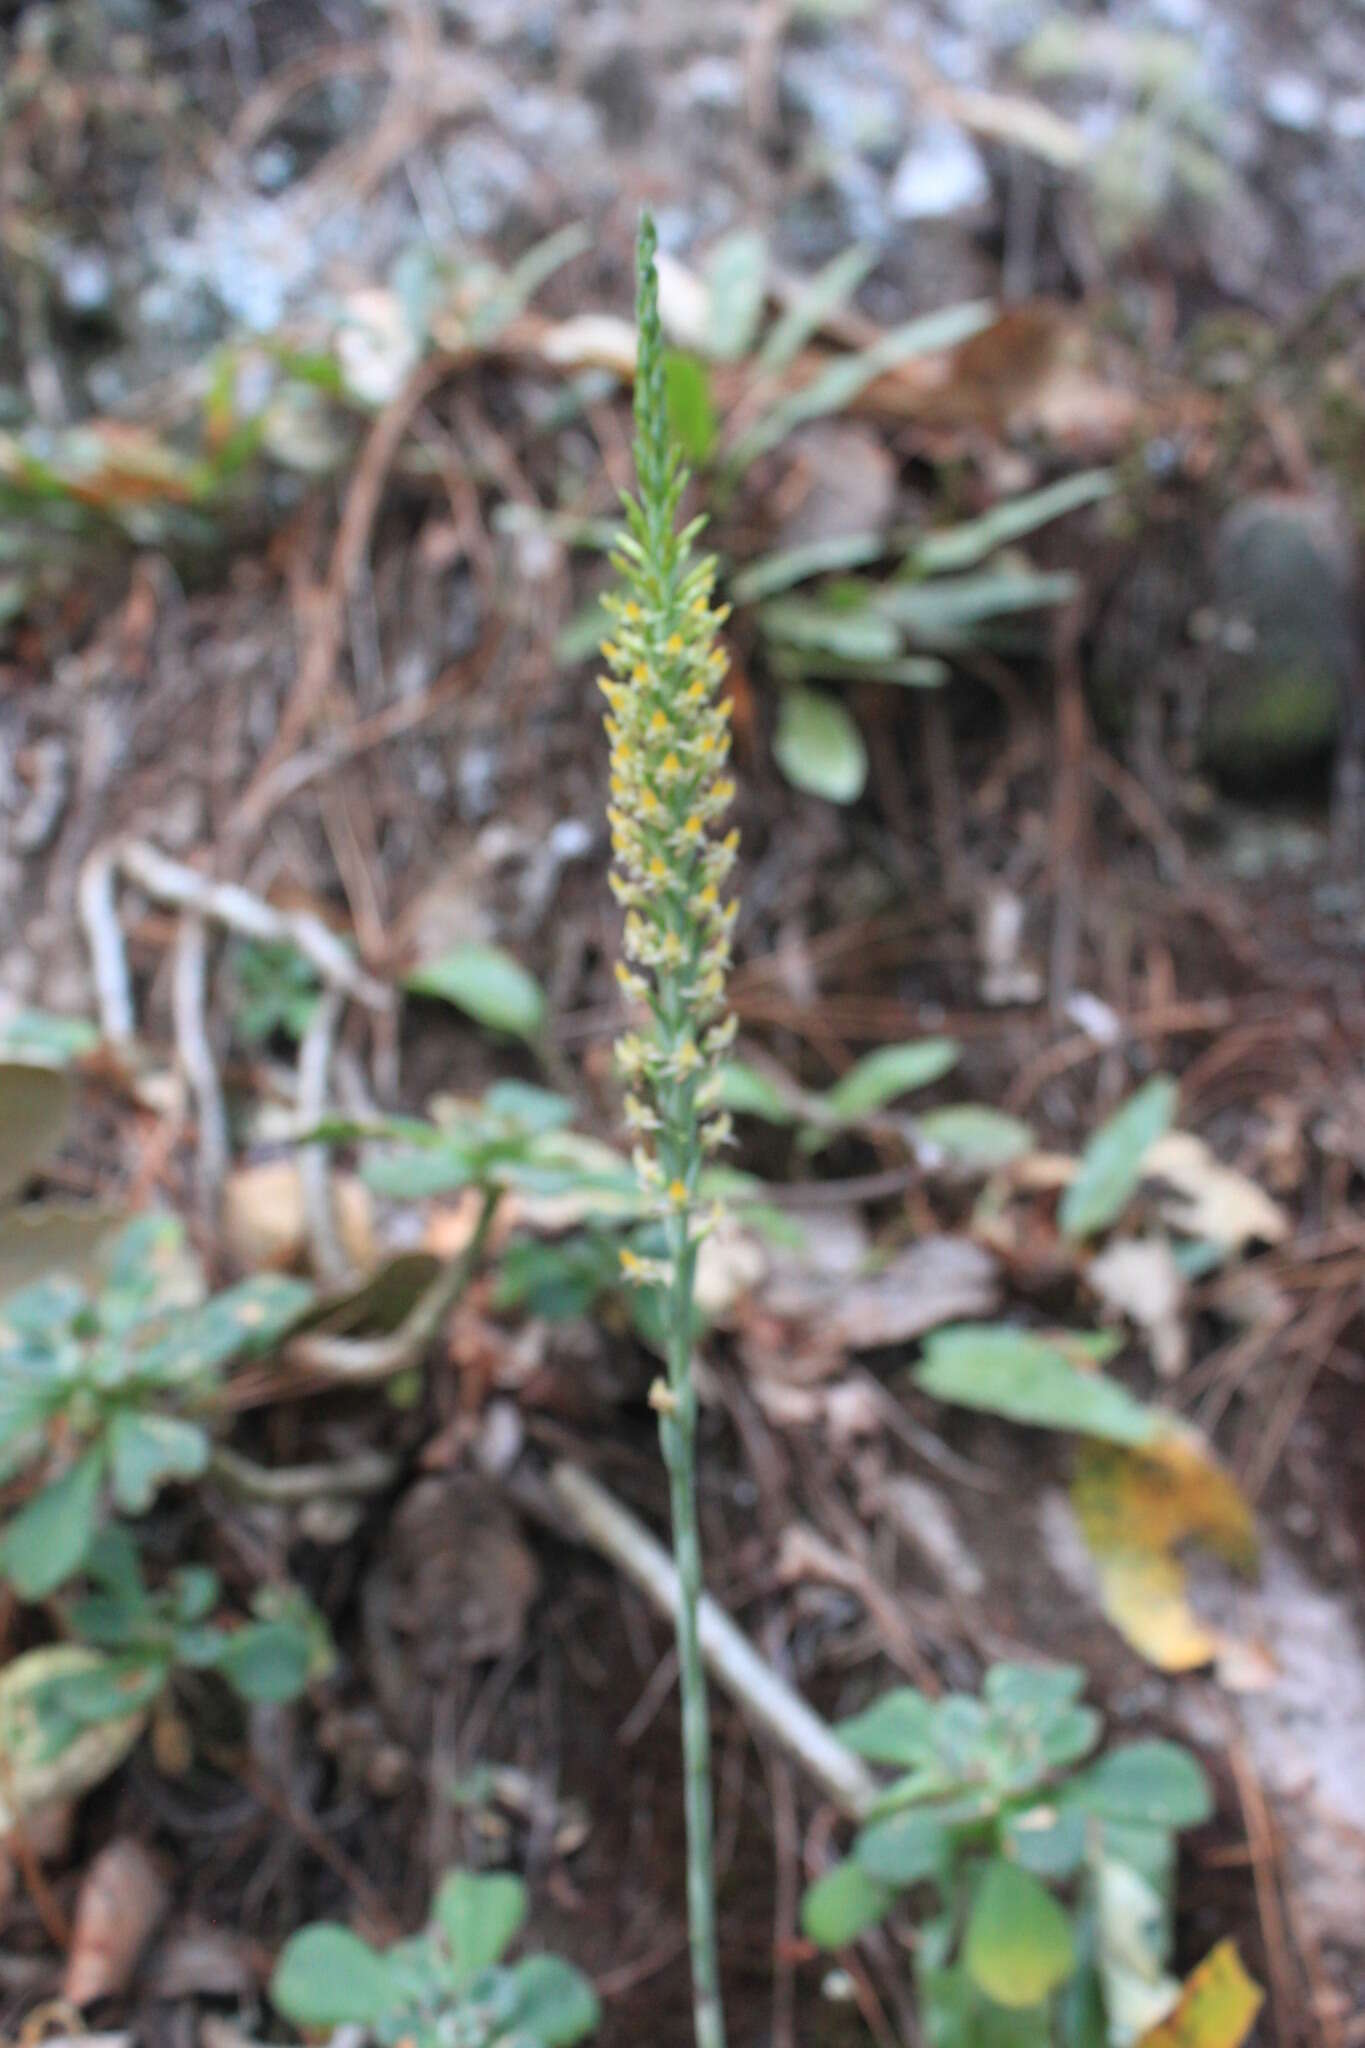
[[891, 1071], [1155, 1782], [691, 413], [267, 1662], [1031, 1693], [1026, 1379], [328, 1977], [35, 1103], [1018, 1946], [1049, 1841], [535, 1110], [818, 747], [124, 1684], [830, 288], [962, 547], [1111, 1165], [488, 985], [736, 277], [905, 1848], [896, 1729], [480, 1916], [951, 610], [47, 1540], [556, 2005], [242, 1321], [747, 1092], [146, 1450], [954, 2014], [843, 1904], [973, 1136]]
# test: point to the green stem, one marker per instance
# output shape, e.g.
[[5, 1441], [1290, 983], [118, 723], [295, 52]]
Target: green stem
[[678, 1436]]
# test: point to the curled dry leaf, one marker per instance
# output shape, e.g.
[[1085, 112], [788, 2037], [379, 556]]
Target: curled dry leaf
[[121, 1901], [1211, 1200]]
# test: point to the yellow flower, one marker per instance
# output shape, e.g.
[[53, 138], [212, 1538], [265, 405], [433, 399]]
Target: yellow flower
[[674, 644], [677, 1193], [659, 722], [630, 610]]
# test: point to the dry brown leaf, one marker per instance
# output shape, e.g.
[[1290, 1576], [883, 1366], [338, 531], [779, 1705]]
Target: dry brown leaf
[[122, 1898], [1211, 1200]]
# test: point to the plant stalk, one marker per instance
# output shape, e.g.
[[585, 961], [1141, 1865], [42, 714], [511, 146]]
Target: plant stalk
[[678, 1438]]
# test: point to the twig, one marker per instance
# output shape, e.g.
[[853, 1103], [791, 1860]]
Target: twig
[[769, 1701], [171, 882], [188, 1001], [95, 900], [291, 1485], [1261, 1839], [362, 1360], [315, 1178]]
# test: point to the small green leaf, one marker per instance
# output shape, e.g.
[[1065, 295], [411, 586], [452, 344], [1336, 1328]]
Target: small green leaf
[[830, 288], [891, 1071], [746, 1092], [42, 1036], [973, 1136], [1111, 1165], [818, 747], [534, 1110], [488, 985], [896, 1729], [1024, 1378], [556, 2005], [1157, 1783], [328, 1977], [962, 547], [480, 1916], [843, 1904], [47, 1540], [1018, 1946], [1032, 1692], [146, 1450], [267, 1662], [736, 276], [1049, 1841], [691, 411], [905, 1848], [851, 633]]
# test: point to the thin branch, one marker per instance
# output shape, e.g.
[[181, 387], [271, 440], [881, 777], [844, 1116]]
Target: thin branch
[[734, 1663], [315, 1176], [189, 987], [291, 1485]]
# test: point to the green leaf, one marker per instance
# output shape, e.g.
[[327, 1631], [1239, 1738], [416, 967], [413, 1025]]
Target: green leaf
[[962, 547], [1024, 1378], [843, 1904], [328, 1977], [890, 1071], [488, 985], [267, 1662], [146, 1450], [771, 574], [1157, 1783], [852, 633], [896, 1729], [1049, 1841], [955, 2015], [1030, 1693], [830, 288], [905, 1848], [736, 276], [556, 2005], [534, 1110], [47, 1540], [480, 1916], [974, 1136], [745, 1091], [35, 1103], [1111, 1165], [818, 747], [1018, 1946], [950, 611], [691, 413], [51, 1040]]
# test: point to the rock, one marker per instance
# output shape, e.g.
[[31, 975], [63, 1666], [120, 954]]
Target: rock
[[941, 174], [1281, 637]]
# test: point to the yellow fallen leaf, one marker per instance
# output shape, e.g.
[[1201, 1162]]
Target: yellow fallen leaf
[[1135, 1507], [1217, 2006], [1211, 1200]]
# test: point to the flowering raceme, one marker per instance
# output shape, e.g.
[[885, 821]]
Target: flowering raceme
[[669, 729]]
